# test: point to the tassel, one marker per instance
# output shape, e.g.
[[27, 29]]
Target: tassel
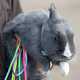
[[14, 58], [19, 65], [14, 69], [24, 64]]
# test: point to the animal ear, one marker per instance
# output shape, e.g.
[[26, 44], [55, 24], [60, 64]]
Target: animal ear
[[9, 27], [52, 10], [13, 24]]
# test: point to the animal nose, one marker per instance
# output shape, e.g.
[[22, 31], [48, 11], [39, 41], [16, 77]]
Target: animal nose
[[67, 53]]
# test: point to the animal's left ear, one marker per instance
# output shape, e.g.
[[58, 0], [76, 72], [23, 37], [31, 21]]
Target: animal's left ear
[[52, 10]]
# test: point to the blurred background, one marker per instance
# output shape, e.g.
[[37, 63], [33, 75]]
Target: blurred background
[[70, 9]]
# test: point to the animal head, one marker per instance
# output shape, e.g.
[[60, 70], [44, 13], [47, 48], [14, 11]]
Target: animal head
[[57, 39]]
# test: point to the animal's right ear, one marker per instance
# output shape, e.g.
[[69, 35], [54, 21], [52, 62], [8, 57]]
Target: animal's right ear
[[9, 27], [13, 24]]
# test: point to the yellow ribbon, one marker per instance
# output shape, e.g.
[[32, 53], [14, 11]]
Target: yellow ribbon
[[14, 69]]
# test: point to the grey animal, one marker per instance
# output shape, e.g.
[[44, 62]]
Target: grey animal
[[47, 37]]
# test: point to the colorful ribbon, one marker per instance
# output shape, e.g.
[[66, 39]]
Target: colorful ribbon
[[14, 69], [19, 65], [24, 64], [12, 62]]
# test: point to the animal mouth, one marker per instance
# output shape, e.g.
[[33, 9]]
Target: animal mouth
[[64, 67], [61, 60]]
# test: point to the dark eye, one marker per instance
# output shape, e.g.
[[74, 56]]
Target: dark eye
[[55, 38]]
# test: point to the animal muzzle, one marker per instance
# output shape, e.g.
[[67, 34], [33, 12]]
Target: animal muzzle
[[64, 65], [61, 60]]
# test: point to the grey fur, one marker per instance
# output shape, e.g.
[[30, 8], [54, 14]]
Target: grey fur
[[39, 31]]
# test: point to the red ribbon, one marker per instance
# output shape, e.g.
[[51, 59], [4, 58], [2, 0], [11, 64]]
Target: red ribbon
[[24, 64]]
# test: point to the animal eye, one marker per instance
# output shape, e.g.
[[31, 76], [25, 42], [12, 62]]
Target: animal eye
[[55, 38]]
